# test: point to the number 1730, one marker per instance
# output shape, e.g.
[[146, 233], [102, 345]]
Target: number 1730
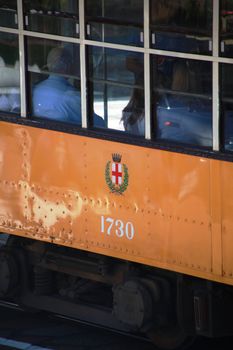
[[118, 227]]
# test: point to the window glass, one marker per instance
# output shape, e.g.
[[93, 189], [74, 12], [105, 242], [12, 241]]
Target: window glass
[[54, 17], [227, 104], [54, 80], [116, 88], [182, 25], [8, 13], [9, 73], [117, 21], [226, 28], [182, 103]]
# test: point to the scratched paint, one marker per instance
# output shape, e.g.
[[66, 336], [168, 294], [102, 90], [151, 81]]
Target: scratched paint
[[48, 212]]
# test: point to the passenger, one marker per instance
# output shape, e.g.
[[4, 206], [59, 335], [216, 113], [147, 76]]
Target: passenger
[[133, 115], [170, 75], [55, 98]]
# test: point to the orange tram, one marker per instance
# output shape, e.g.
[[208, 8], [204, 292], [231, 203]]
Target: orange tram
[[116, 141]]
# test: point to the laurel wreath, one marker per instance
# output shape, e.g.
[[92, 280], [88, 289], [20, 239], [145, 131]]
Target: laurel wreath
[[113, 188]]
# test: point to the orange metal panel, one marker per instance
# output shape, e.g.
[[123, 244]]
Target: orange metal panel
[[181, 187], [55, 187], [227, 218]]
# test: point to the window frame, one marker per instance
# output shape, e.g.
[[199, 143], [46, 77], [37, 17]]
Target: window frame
[[146, 50]]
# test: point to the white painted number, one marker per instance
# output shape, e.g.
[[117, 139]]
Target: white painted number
[[121, 229], [129, 230], [110, 221]]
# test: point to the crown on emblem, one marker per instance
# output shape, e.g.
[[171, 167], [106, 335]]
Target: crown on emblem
[[116, 157]]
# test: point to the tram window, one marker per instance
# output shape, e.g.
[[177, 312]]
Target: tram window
[[54, 17], [227, 105], [8, 13], [226, 28], [182, 25], [117, 21], [9, 73], [182, 103], [116, 88], [54, 80]]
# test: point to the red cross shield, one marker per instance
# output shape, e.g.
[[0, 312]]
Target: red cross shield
[[117, 173]]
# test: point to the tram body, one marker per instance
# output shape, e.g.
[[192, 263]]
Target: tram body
[[123, 216], [175, 212]]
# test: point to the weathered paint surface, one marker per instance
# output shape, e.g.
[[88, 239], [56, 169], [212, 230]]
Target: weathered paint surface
[[175, 213]]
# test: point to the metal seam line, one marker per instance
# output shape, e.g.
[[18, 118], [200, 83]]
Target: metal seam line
[[147, 89], [215, 74], [83, 65], [22, 61]]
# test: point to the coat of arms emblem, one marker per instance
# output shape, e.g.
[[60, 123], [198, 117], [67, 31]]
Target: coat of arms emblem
[[116, 175]]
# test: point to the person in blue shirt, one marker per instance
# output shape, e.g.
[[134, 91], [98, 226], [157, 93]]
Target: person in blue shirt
[[56, 98]]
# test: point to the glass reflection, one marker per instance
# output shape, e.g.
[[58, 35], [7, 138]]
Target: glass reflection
[[227, 105], [182, 25], [116, 88], [226, 28], [9, 73], [117, 21], [8, 13], [182, 102], [54, 17]]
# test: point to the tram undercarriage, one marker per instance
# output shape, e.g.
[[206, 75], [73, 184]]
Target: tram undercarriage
[[169, 308]]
